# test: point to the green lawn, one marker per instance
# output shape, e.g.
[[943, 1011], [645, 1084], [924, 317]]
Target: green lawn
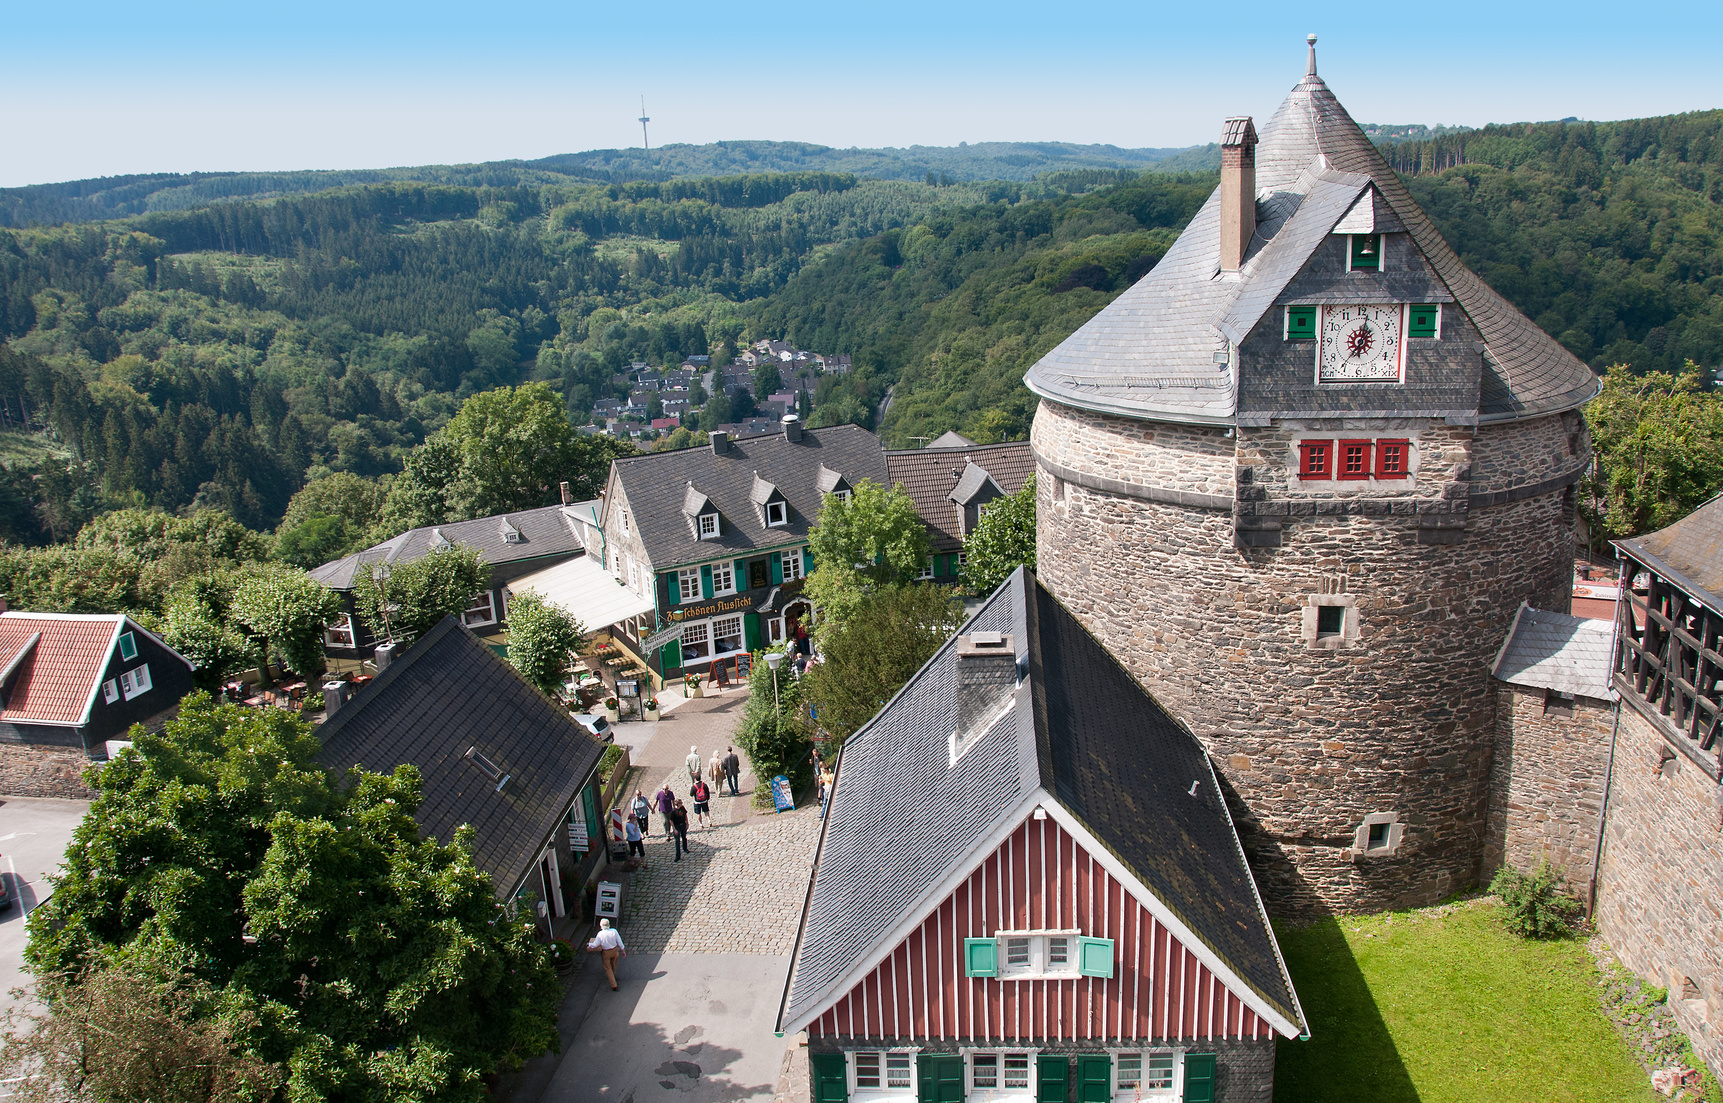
[[1444, 1006]]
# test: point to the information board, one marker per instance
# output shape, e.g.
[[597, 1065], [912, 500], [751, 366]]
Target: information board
[[627, 688], [782, 798], [577, 837]]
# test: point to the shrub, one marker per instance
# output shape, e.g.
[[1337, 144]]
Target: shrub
[[1532, 904]]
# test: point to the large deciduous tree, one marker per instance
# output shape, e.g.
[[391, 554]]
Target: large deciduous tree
[[404, 602], [874, 539], [1659, 444], [1003, 540], [540, 637], [870, 656], [378, 964], [283, 612]]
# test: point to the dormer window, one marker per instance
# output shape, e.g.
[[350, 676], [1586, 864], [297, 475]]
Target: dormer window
[[510, 534], [1365, 253], [777, 513], [708, 526], [842, 496]]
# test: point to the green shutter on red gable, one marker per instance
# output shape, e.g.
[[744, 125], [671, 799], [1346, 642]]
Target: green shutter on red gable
[[939, 1078], [1094, 1079], [980, 957], [1199, 1078], [1095, 957], [830, 1076]]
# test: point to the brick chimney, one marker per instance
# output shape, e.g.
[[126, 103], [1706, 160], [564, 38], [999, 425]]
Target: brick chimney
[[720, 442], [567, 494], [1237, 191]]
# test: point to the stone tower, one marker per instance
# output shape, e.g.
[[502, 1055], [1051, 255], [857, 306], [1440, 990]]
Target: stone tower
[[1299, 478]]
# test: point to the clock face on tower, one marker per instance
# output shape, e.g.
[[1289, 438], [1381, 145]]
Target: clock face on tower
[[1360, 344]]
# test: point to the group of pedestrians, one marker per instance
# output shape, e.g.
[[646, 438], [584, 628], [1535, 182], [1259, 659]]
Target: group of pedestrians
[[675, 814]]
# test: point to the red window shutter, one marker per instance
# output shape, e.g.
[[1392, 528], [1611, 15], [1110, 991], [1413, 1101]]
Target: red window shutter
[[1393, 459], [1352, 459], [1316, 459]]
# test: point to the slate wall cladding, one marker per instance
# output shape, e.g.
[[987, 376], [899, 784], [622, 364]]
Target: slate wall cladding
[[1546, 784], [1661, 880], [1442, 374], [1312, 740]]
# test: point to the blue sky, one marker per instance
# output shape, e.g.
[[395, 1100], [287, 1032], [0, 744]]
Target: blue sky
[[105, 88]]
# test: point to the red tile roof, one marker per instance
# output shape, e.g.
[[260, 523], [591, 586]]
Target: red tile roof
[[58, 679], [929, 474]]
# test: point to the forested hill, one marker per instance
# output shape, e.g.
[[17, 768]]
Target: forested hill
[[119, 196]]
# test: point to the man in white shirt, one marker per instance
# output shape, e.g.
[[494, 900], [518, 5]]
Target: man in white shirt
[[609, 945], [693, 764]]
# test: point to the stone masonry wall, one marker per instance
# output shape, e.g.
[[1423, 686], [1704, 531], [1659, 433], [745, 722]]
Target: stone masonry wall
[[1312, 740], [28, 770], [1660, 885], [1546, 784], [1189, 458], [1528, 451]]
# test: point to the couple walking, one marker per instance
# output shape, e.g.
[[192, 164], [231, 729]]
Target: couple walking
[[722, 768], [675, 815]]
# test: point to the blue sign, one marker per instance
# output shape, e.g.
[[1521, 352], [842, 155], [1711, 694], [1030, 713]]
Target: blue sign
[[781, 795]]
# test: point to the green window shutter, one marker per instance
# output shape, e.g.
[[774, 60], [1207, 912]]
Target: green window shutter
[[740, 566], [1095, 957], [1199, 1078], [807, 562], [830, 1077], [1366, 251], [980, 957], [1052, 1078], [751, 632], [1300, 323], [939, 1079], [706, 581], [1094, 1079], [1422, 320], [672, 590], [776, 563]]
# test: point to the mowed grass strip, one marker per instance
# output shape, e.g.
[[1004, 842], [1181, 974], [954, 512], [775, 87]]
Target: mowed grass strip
[[1445, 1006]]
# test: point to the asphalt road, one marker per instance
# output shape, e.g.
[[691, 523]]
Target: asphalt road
[[34, 832]]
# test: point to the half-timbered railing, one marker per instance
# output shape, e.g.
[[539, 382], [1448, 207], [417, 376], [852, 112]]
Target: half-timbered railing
[[1667, 658]]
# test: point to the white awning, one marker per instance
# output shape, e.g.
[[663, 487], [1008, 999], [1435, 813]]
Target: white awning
[[582, 587]]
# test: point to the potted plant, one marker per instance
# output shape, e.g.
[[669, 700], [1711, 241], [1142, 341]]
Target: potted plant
[[610, 709], [691, 687], [562, 954], [651, 707]]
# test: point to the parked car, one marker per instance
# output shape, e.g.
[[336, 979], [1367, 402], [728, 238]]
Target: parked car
[[5, 891], [596, 724]]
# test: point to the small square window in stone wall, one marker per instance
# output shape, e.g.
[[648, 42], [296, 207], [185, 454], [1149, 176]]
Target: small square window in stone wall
[[1330, 621], [1378, 836]]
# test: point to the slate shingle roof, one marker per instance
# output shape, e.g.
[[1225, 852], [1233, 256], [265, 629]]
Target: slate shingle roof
[[1151, 352], [448, 693], [543, 531], [1546, 650], [1079, 728], [1688, 553], [930, 477], [658, 489]]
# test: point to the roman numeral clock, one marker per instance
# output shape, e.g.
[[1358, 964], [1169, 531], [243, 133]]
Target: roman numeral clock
[[1361, 344]]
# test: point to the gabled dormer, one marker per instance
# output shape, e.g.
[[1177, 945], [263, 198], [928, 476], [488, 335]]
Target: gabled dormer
[[509, 533], [833, 482], [703, 517], [974, 491], [439, 541], [772, 508]]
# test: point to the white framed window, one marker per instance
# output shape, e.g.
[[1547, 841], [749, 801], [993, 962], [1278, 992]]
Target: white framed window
[[708, 526], [775, 629], [339, 634], [622, 516], [792, 565], [134, 682], [1027, 954], [480, 612], [1145, 1074], [696, 642], [128, 646], [726, 635], [842, 495], [111, 690], [926, 569], [777, 513], [1001, 1075], [879, 1075], [688, 583], [633, 576], [963, 559], [723, 579]]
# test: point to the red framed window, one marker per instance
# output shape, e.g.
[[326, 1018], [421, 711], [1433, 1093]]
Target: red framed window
[[1316, 459], [1393, 459], [1352, 459]]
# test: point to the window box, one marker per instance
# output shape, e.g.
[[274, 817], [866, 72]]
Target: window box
[[1352, 459], [1316, 459]]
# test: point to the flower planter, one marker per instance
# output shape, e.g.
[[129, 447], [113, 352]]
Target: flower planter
[[695, 690], [651, 714]]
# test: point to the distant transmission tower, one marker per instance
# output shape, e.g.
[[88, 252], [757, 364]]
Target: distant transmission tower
[[643, 121]]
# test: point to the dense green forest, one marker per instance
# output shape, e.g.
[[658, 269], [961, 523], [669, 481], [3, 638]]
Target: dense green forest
[[228, 354]]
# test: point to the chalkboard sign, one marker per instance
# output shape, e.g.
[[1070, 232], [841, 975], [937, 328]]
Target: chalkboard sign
[[744, 666], [781, 795]]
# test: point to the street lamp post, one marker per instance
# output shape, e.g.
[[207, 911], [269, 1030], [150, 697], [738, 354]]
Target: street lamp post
[[773, 659]]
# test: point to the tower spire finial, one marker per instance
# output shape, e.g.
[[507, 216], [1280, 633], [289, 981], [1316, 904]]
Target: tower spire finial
[[1310, 66]]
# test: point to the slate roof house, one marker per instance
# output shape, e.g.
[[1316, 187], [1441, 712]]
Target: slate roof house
[[80, 680], [716, 538], [951, 482], [513, 544], [492, 752], [1063, 909]]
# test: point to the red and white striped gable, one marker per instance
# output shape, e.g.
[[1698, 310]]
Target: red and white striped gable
[[1041, 878]]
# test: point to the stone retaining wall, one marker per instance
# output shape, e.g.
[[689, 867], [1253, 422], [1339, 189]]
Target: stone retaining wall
[[1546, 784], [27, 770]]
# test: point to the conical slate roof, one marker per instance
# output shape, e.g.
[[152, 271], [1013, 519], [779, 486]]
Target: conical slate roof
[[1152, 352]]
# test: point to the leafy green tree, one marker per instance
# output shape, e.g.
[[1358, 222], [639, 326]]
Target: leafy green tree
[[64, 579], [315, 541], [716, 413], [196, 622], [379, 964], [1003, 540], [870, 656], [1659, 445], [540, 637], [775, 731], [768, 381], [330, 517], [876, 533], [428, 490], [283, 612], [123, 1034], [404, 602]]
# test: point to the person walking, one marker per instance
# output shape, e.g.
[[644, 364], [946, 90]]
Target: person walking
[[732, 769], [679, 822], [608, 945], [636, 839], [715, 769], [642, 809], [666, 801], [826, 779], [702, 794], [693, 764]]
